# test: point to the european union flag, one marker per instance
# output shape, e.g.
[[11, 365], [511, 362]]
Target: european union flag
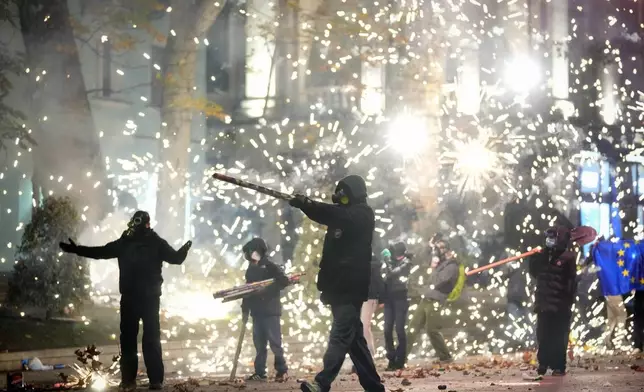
[[621, 266]]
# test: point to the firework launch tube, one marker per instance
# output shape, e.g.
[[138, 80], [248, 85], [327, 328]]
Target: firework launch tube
[[249, 185], [248, 288], [504, 261]]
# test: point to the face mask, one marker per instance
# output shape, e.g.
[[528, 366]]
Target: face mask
[[551, 242], [252, 257], [340, 198], [551, 238]]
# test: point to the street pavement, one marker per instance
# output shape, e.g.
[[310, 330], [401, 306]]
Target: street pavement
[[589, 375]]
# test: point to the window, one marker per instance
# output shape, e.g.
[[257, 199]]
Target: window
[[595, 188], [156, 77], [595, 177], [597, 216], [106, 67], [218, 59]]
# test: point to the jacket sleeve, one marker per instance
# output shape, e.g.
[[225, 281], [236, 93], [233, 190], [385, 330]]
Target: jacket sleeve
[[281, 280], [111, 250], [400, 271], [171, 256], [535, 265], [333, 215], [447, 277]]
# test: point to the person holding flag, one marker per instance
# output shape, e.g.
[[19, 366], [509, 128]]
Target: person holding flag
[[621, 272]]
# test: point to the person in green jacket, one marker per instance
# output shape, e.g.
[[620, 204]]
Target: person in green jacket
[[435, 284]]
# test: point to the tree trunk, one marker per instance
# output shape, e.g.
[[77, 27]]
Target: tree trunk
[[188, 20], [68, 145]]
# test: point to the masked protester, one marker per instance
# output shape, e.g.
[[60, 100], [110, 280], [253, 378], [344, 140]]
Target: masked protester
[[398, 266], [344, 279], [434, 292], [555, 272], [265, 308], [140, 253]]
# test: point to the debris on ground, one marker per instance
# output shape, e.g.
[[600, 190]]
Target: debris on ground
[[90, 371]]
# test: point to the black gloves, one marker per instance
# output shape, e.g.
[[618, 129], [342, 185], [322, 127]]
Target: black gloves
[[186, 247], [299, 201], [68, 248]]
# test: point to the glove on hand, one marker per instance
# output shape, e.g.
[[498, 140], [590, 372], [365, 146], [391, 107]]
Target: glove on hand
[[299, 201], [186, 247], [68, 248]]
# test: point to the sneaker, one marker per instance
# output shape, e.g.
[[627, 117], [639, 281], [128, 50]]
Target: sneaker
[[156, 386], [281, 377], [445, 360], [636, 352], [558, 372], [310, 387], [256, 377], [542, 370], [127, 387]]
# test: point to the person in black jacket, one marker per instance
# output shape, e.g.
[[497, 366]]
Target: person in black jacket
[[555, 271], [265, 308], [140, 253], [398, 266], [344, 279]]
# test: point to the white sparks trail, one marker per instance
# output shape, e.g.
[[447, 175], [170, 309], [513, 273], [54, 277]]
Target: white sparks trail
[[511, 149]]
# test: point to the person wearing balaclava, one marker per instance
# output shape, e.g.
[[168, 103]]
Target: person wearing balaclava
[[555, 271], [343, 279], [140, 252], [398, 266], [434, 292], [265, 309]]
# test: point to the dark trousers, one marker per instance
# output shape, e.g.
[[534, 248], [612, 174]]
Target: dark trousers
[[133, 309], [347, 336], [638, 320], [267, 331], [553, 330], [396, 317]]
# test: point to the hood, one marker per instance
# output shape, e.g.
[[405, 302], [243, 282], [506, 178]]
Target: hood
[[354, 187], [398, 250], [256, 245]]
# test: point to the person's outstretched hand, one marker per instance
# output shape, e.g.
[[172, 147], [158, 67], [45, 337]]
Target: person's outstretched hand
[[299, 201], [68, 248], [186, 246]]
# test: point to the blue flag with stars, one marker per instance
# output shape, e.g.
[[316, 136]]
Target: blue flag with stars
[[620, 266]]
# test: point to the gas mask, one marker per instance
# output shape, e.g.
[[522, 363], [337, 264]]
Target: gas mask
[[551, 238], [140, 220], [340, 197]]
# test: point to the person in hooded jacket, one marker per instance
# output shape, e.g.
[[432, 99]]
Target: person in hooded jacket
[[434, 292], [140, 253], [398, 266], [265, 309], [344, 278], [555, 271]]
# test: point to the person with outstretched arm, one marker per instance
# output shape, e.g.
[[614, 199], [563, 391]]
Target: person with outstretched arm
[[266, 309], [140, 252], [344, 278]]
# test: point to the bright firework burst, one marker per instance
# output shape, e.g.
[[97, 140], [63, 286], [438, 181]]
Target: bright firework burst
[[484, 161]]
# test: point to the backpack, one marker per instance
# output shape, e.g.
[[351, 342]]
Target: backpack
[[458, 287]]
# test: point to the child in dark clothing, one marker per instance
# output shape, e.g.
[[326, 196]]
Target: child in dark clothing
[[265, 309], [398, 266]]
